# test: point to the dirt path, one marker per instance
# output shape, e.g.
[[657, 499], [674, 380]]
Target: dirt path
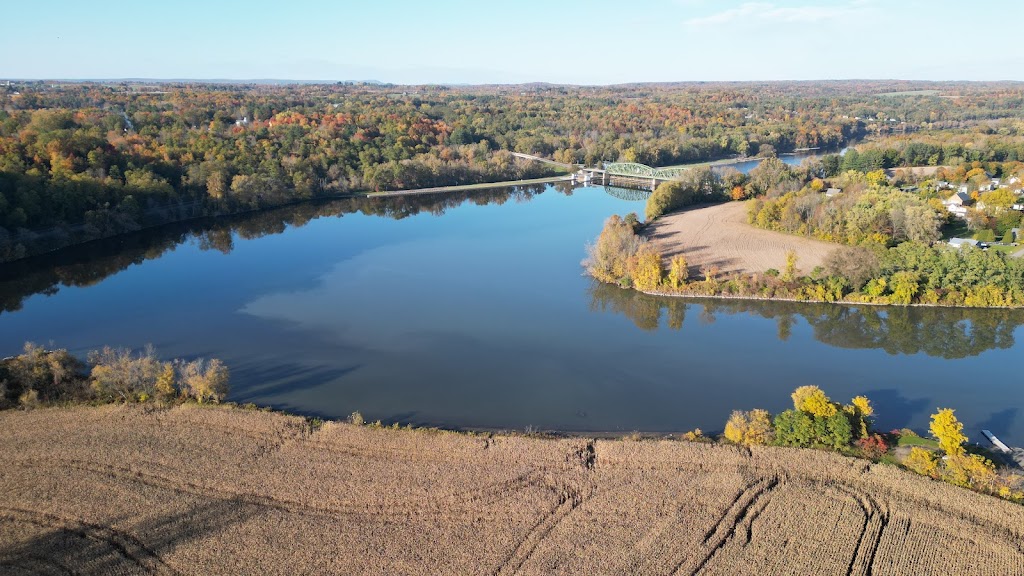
[[719, 235], [191, 490]]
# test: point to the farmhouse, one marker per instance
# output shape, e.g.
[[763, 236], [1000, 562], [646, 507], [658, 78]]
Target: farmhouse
[[957, 204]]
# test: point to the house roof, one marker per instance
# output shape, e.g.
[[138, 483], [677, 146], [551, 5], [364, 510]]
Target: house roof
[[962, 197], [963, 242]]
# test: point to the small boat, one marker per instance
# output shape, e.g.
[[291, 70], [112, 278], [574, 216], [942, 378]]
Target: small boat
[[996, 441]]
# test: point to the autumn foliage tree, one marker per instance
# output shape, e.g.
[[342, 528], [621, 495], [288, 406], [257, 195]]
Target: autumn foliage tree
[[678, 272], [812, 399], [608, 258], [645, 268], [948, 431], [750, 428]]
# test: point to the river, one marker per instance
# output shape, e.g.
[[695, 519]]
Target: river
[[471, 311]]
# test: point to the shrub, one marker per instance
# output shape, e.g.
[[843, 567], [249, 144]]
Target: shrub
[[166, 387], [970, 471], [695, 435], [52, 374], [873, 446], [838, 431], [803, 429], [204, 380], [750, 428], [923, 462], [29, 399], [794, 428], [120, 374]]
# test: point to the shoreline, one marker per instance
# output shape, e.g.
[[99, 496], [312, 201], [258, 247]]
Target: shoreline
[[718, 235], [816, 301], [298, 202]]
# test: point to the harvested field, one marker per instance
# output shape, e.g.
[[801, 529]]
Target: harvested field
[[189, 490], [718, 235]]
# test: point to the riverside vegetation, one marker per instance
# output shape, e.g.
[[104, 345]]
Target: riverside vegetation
[[890, 255], [80, 161], [206, 488], [816, 421], [40, 377]]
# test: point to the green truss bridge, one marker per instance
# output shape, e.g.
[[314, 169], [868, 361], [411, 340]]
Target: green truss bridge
[[632, 174]]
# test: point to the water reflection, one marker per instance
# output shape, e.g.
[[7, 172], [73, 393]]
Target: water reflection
[[948, 333], [90, 263]]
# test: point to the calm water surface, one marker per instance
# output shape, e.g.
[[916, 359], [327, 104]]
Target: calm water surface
[[471, 311]]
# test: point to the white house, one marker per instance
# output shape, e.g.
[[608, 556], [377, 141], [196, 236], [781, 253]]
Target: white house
[[957, 204]]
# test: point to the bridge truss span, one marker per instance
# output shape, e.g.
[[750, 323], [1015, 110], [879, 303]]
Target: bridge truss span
[[635, 170]]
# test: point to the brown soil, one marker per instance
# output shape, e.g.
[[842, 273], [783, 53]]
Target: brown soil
[[719, 235], [130, 490]]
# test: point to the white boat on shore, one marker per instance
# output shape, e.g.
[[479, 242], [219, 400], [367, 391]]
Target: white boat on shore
[[996, 441]]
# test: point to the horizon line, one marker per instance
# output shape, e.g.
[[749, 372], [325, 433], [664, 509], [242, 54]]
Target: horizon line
[[136, 80]]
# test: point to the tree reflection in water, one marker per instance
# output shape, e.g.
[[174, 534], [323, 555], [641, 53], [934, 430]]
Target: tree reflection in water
[[941, 332], [90, 263]]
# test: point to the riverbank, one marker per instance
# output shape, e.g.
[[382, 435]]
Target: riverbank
[[47, 246], [465, 187], [711, 251], [224, 490]]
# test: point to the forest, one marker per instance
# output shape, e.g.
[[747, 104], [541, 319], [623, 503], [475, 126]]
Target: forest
[[81, 161]]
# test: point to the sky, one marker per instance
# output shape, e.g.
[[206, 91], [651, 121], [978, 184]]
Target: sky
[[481, 41]]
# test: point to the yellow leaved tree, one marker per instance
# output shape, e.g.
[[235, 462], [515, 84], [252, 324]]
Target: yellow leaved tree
[[948, 431], [678, 272], [813, 400], [750, 428]]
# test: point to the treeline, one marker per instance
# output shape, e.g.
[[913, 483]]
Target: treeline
[[40, 377], [867, 211], [85, 161], [1000, 143], [815, 421]]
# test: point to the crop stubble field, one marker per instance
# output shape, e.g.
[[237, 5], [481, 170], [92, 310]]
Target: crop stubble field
[[189, 490], [719, 235]]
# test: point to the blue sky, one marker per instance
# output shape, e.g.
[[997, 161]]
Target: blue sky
[[567, 41]]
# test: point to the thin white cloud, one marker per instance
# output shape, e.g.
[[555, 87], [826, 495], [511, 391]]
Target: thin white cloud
[[759, 12]]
